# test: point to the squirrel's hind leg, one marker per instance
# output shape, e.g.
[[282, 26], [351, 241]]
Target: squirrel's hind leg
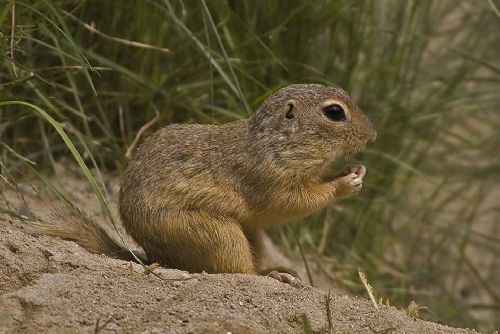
[[198, 241], [264, 267]]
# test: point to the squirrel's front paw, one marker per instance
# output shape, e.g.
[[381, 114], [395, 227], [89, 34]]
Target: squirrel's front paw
[[350, 181]]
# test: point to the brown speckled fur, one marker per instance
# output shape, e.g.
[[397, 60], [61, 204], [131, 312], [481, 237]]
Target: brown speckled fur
[[196, 197]]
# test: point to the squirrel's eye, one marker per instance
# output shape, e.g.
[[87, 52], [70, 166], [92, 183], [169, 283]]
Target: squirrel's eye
[[334, 112]]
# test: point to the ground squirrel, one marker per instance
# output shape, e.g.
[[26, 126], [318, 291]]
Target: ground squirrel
[[197, 197]]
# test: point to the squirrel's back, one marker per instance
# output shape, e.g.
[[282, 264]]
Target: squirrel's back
[[182, 167]]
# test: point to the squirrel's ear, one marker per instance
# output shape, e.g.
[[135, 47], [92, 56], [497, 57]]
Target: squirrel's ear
[[278, 118], [290, 109], [287, 112]]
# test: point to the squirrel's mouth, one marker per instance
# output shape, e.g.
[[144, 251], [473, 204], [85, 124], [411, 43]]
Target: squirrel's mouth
[[329, 175], [354, 149]]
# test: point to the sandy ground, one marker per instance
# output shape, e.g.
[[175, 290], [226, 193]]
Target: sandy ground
[[52, 286], [48, 285]]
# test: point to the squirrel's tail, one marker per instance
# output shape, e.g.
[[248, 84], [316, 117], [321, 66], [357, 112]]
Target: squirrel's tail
[[70, 223]]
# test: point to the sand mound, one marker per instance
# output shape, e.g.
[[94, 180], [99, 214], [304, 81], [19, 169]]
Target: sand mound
[[48, 285]]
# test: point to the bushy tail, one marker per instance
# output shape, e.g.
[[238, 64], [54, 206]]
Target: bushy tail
[[70, 223]]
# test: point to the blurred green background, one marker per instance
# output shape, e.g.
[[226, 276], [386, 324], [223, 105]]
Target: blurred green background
[[426, 225]]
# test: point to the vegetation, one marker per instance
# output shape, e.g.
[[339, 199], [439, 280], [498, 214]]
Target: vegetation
[[426, 72]]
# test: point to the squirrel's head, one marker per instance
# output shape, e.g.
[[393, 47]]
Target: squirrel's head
[[308, 125]]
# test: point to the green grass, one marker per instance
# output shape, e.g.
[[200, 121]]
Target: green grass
[[426, 72]]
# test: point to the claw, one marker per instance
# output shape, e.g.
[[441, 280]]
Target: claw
[[287, 278]]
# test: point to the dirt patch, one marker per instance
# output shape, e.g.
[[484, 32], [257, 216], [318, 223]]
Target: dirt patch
[[51, 285]]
